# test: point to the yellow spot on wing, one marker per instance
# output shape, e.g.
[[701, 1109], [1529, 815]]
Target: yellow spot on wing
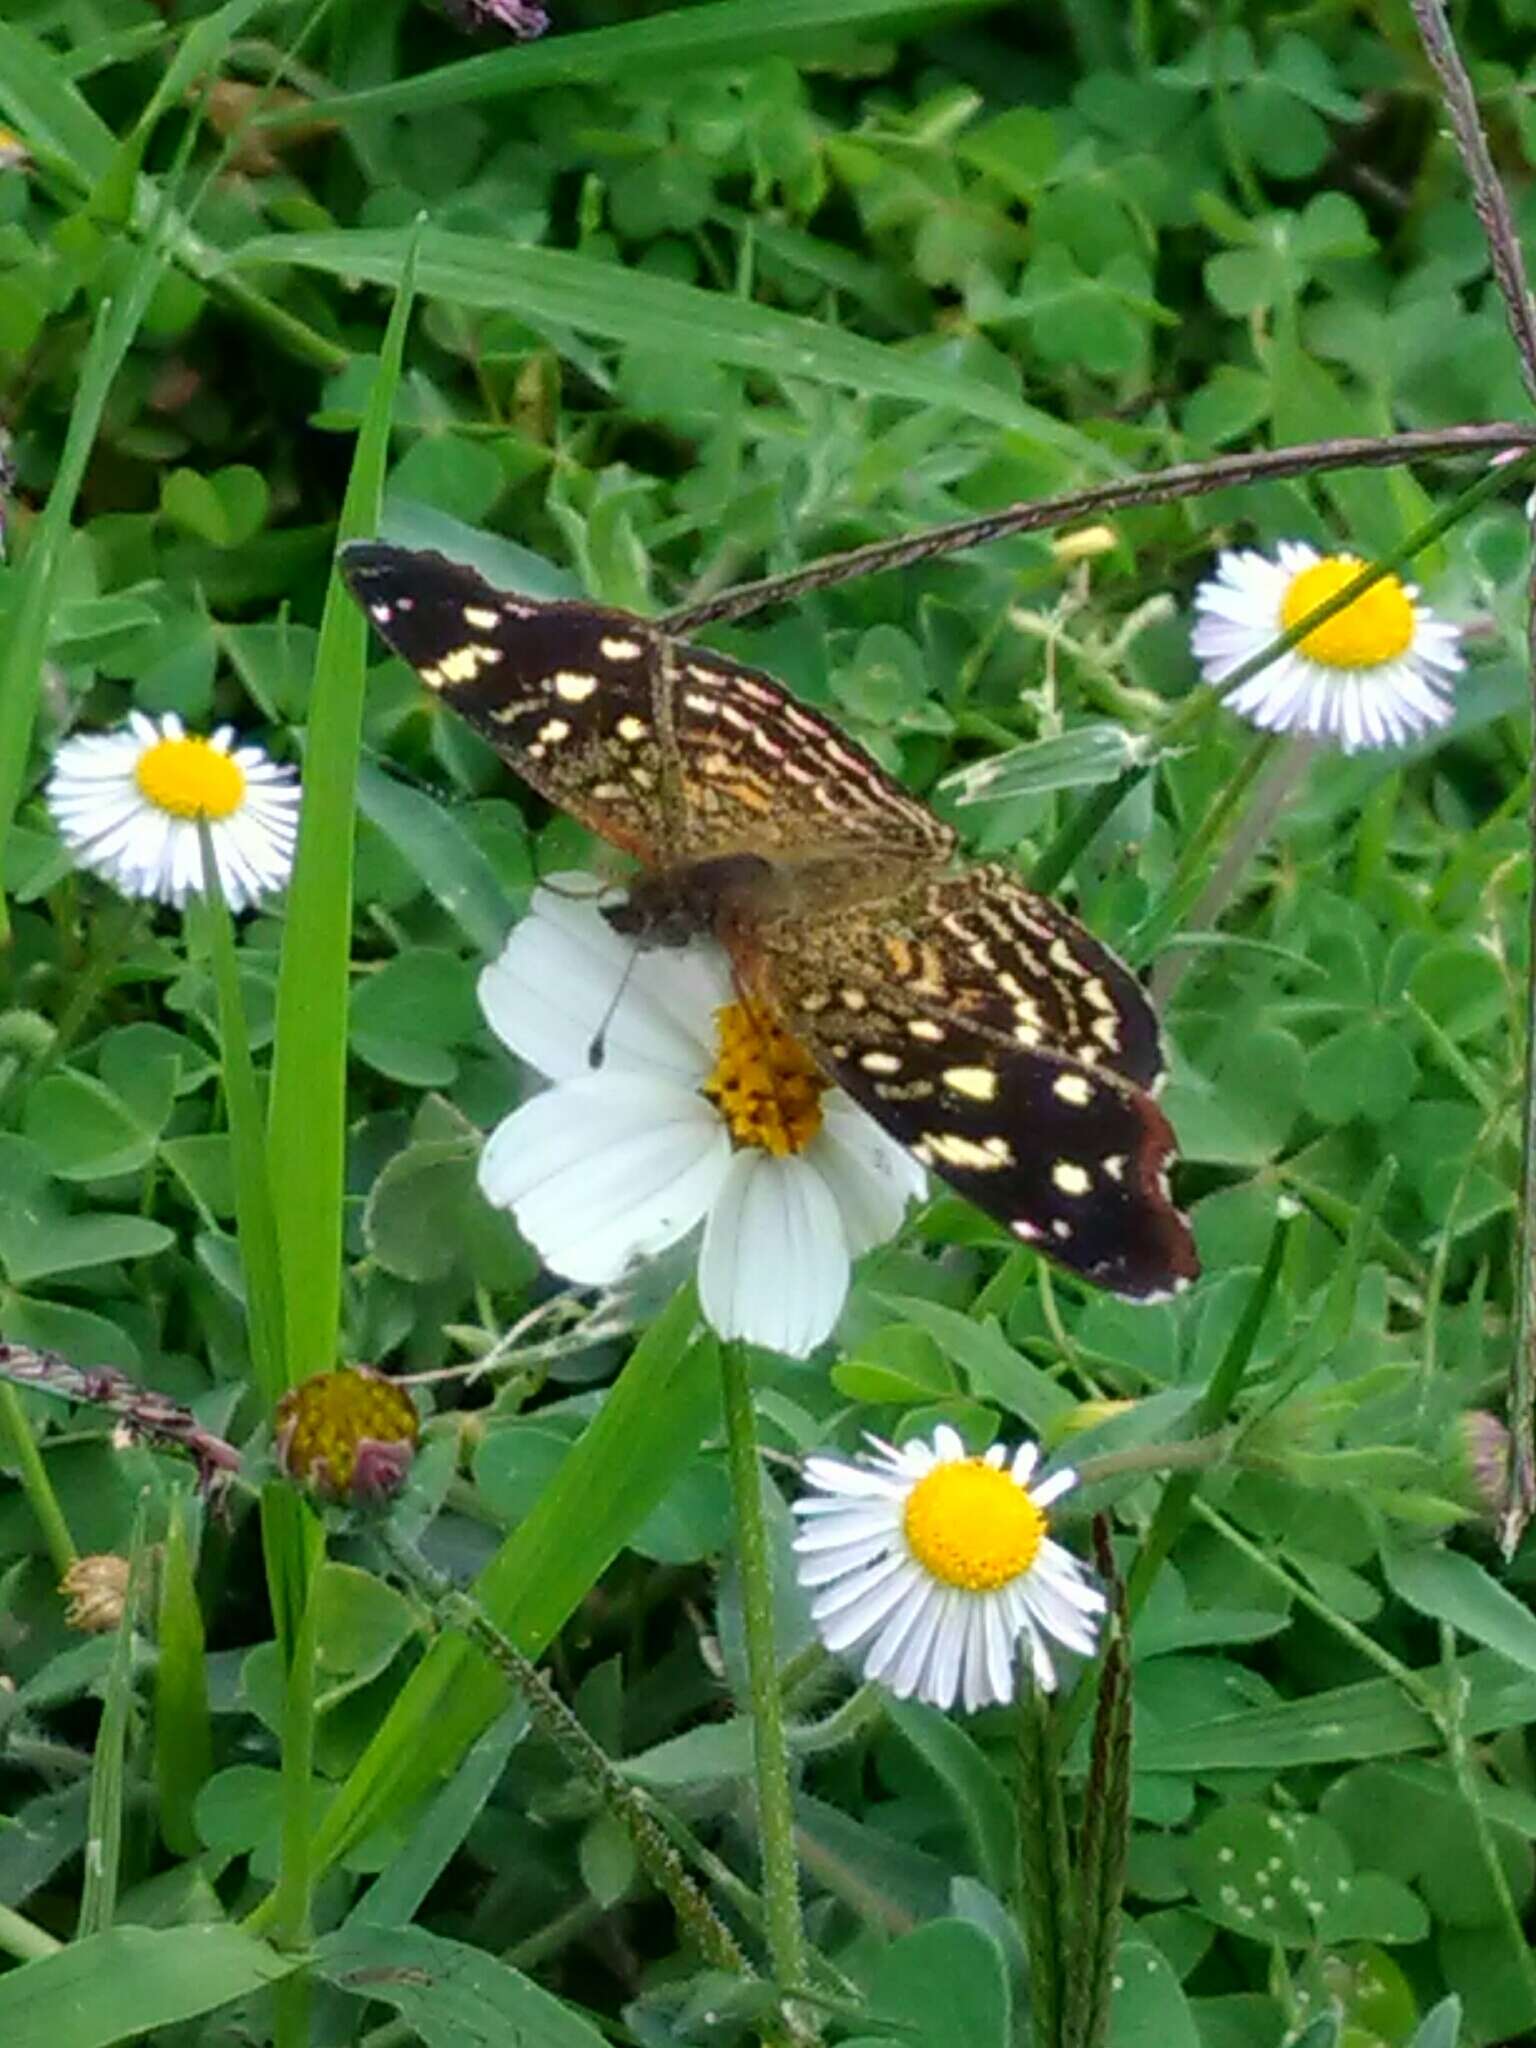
[[1074, 1089], [979, 1083], [1071, 1178], [574, 687], [968, 1155]]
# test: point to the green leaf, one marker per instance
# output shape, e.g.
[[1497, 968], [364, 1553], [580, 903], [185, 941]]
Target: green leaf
[[83, 1130], [554, 288], [1149, 2010], [673, 43], [1081, 759], [1440, 2027], [446, 1992], [450, 864], [945, 1983], [1450, 1587], [119, 1985], [407, 1016], [226, 509], [979, 1796], [995, 1370], [1366, 1070], [1370, 1719], [1268, 1875]]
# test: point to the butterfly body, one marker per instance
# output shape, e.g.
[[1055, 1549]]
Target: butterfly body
[[979, 1023]]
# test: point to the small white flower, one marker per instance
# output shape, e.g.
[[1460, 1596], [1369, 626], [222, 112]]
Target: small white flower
[[127, 804], [934, 1566], [694, 1116], [1376, 674]]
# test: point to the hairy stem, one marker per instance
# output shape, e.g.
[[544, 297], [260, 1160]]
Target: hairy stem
[[770, 1751], [1180, 480]]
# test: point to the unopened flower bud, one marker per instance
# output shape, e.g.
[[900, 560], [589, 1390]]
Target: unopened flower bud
[[349, 1436]]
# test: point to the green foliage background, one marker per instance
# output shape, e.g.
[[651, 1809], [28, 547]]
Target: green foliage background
[[703, 295]]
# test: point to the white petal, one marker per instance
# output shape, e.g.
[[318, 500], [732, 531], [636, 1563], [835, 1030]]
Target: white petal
[[604, 1170], [554, 982], [774, 1265], [870, 1177], [1053, 1488]]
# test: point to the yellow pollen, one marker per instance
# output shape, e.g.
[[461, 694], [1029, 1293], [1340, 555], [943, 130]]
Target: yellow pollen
[[764, 1084], [1377, 627], [190, 779], [972, 1526]]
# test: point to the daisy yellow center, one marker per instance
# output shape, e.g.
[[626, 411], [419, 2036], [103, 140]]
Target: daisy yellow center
[[191, 779], [1377, 627], [972, 1526], [764, 1084]]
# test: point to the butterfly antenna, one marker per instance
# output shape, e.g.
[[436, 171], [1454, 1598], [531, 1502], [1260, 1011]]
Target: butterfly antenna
[[597, 1051]]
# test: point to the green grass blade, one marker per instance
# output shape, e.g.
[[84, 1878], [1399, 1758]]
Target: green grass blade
[[307, 1125], [21, 661], [652, 1420], [183, 1735], [104, 1822], [56, 121], [118, 1986], [558, 290], [690, 38], [256, 1219]]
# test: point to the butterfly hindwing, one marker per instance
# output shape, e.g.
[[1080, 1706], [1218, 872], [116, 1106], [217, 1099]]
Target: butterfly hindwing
[[1072, 1159]]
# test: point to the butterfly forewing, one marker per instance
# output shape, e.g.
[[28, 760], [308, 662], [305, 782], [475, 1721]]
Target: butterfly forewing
[[672, 752], [564, 692]]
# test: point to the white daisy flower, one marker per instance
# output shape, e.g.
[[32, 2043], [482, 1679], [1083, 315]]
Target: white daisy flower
[[699, 1113], [934, 1566], [1376, 674], [127, 804]]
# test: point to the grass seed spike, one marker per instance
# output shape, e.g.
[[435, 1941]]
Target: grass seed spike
[[977, 1022]]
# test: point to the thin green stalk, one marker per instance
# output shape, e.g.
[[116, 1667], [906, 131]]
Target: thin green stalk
[[24, 1939], [35, 1483], [1088, 819], [1215, 1407], [1298, 1590], [104, 1815], [1166, 915], [295, 1870], [770, 1752], [653, 1848], [1466, 1783]]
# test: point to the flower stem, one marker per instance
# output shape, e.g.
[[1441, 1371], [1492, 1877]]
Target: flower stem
[[770, 1752], [17, 1437], [654, 1851]]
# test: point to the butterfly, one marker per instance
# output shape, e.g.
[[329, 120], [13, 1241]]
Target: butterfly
[[978, 1023]]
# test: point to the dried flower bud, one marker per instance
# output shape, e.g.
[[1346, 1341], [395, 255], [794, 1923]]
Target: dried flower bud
[[519, 19], [97, 1589], [349, 1436], [1480, 1449]]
